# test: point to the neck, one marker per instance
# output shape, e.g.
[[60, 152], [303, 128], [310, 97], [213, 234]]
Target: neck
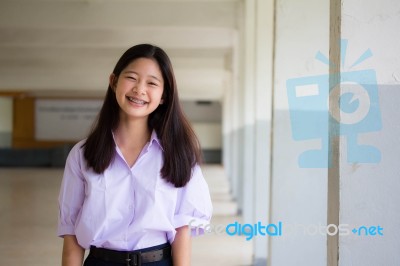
[[132, 133]]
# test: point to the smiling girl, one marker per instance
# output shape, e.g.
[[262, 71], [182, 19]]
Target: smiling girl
[[130, 189]]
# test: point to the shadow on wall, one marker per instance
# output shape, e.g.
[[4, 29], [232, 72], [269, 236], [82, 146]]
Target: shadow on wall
[[212, 156], [56, 157], [50, 157]]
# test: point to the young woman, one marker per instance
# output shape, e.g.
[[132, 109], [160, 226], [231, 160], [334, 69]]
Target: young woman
[[132, 187]]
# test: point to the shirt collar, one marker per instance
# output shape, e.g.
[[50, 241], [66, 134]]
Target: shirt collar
[[153, 138]]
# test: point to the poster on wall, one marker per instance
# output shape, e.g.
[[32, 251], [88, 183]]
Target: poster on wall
[[64, 119]]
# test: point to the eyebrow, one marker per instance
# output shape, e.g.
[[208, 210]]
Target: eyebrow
[[130, 71]]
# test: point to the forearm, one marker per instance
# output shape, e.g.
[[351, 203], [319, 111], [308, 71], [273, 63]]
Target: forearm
[[181, 247], [72, 254]]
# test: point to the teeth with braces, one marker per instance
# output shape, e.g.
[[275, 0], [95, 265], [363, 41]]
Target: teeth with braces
[[136, 100]]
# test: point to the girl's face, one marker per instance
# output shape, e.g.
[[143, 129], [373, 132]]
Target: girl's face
[[139, 88]]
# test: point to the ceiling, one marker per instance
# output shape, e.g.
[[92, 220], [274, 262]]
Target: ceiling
[[59, 46]]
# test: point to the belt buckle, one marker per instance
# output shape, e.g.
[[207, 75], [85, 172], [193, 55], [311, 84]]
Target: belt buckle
[[133, 258]]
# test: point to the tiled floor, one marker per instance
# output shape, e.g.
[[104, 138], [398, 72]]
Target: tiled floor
[[28, 218]]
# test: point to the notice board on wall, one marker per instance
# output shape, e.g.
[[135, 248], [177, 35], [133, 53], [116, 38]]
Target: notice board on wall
[[64, 119]]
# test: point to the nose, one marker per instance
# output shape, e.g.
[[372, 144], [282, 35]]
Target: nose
[[139, 89]]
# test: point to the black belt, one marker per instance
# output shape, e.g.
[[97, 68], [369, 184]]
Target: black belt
[[131, 258]]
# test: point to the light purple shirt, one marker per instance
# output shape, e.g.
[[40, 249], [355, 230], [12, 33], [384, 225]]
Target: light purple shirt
[[128, 208]]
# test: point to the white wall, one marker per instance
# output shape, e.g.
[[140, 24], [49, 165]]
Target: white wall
[[370, 192], [374, 25], [299, 195]]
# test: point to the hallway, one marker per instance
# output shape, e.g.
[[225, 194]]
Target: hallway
[[28, 209]]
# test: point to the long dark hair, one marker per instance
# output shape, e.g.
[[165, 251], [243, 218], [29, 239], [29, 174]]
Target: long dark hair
[[180, 144]]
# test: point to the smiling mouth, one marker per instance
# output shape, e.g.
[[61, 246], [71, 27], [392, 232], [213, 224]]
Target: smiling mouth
[[137, 101]]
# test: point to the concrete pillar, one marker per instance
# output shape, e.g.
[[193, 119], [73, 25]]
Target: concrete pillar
[[256, 57], [299, 188], [320, 44], [370, 144], [263, 102], [248, 103], [248, 108]]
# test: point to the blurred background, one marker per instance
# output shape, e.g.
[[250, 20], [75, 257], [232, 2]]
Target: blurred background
[[232, 60]]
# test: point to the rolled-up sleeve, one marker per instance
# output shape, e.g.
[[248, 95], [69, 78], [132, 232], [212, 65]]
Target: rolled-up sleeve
[[194, 207], [72, 192]]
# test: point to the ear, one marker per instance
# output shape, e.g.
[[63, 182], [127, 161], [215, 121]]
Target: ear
[[113, 81], [161, 101]]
